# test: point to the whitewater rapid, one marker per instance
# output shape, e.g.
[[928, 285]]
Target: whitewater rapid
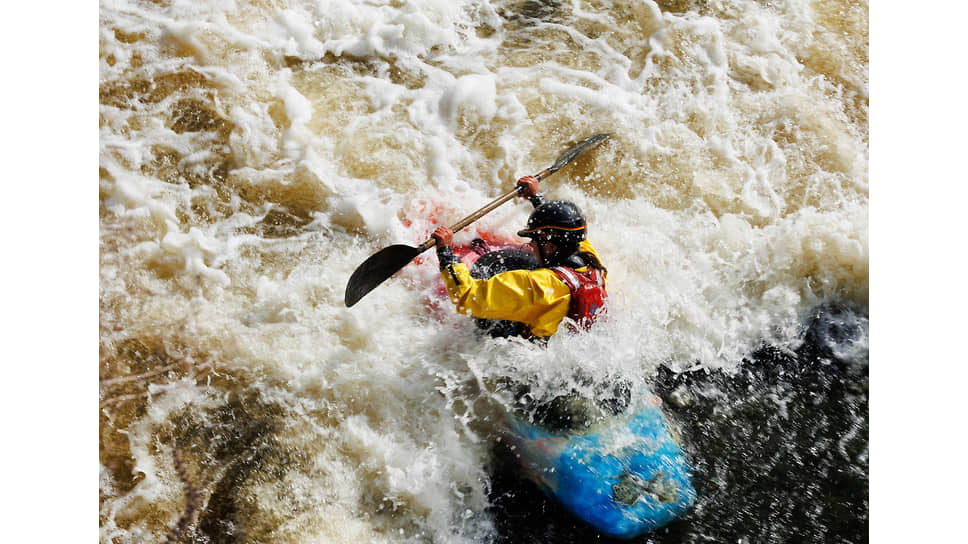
[[253, 154]]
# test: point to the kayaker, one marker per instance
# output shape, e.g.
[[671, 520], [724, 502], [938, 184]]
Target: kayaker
[[570, 282]]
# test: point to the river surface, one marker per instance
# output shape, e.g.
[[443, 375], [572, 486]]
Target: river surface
[[253, 154]]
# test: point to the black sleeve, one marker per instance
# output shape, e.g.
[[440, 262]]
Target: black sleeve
[[446, 257], [575, 260], [537, 199]]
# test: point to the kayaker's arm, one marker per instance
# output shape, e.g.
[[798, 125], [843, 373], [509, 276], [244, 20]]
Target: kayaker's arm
[[446, 257], [537, 199], [537, 298], [529, 189], [445, 253]]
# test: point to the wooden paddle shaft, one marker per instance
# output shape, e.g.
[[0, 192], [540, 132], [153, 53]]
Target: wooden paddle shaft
[[458, 226]]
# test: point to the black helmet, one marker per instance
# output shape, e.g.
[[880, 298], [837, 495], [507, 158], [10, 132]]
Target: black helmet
[[559, 222]]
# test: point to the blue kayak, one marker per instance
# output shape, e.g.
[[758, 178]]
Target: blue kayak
[[625, 476]]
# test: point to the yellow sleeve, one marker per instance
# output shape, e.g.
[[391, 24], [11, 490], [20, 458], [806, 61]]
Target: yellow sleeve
[[537, 298]]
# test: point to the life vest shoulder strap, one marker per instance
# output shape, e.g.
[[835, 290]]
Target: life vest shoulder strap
[[575, 279]]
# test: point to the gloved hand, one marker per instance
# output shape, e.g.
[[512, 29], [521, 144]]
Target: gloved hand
[[444, 236], [529, 186]]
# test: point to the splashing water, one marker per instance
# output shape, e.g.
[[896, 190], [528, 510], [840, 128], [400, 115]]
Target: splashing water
[[252, 154]]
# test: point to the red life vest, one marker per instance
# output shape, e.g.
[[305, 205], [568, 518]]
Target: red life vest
[[587, 294]]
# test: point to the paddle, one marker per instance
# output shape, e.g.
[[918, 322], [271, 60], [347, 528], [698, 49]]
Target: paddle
[[387, 261]]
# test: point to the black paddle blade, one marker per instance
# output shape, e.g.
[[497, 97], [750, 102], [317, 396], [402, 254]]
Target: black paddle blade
[[376, 270], [577, 149]]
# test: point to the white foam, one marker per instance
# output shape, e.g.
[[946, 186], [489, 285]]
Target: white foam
[[732, 199]]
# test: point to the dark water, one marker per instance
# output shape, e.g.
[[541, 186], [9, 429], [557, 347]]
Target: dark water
[[779, 449]]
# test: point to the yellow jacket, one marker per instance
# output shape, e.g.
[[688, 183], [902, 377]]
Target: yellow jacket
[[537, 298]]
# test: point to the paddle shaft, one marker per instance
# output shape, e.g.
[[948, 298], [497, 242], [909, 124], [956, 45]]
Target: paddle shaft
[[488, 208]]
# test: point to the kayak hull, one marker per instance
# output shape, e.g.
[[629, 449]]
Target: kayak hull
[[625, 478]]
